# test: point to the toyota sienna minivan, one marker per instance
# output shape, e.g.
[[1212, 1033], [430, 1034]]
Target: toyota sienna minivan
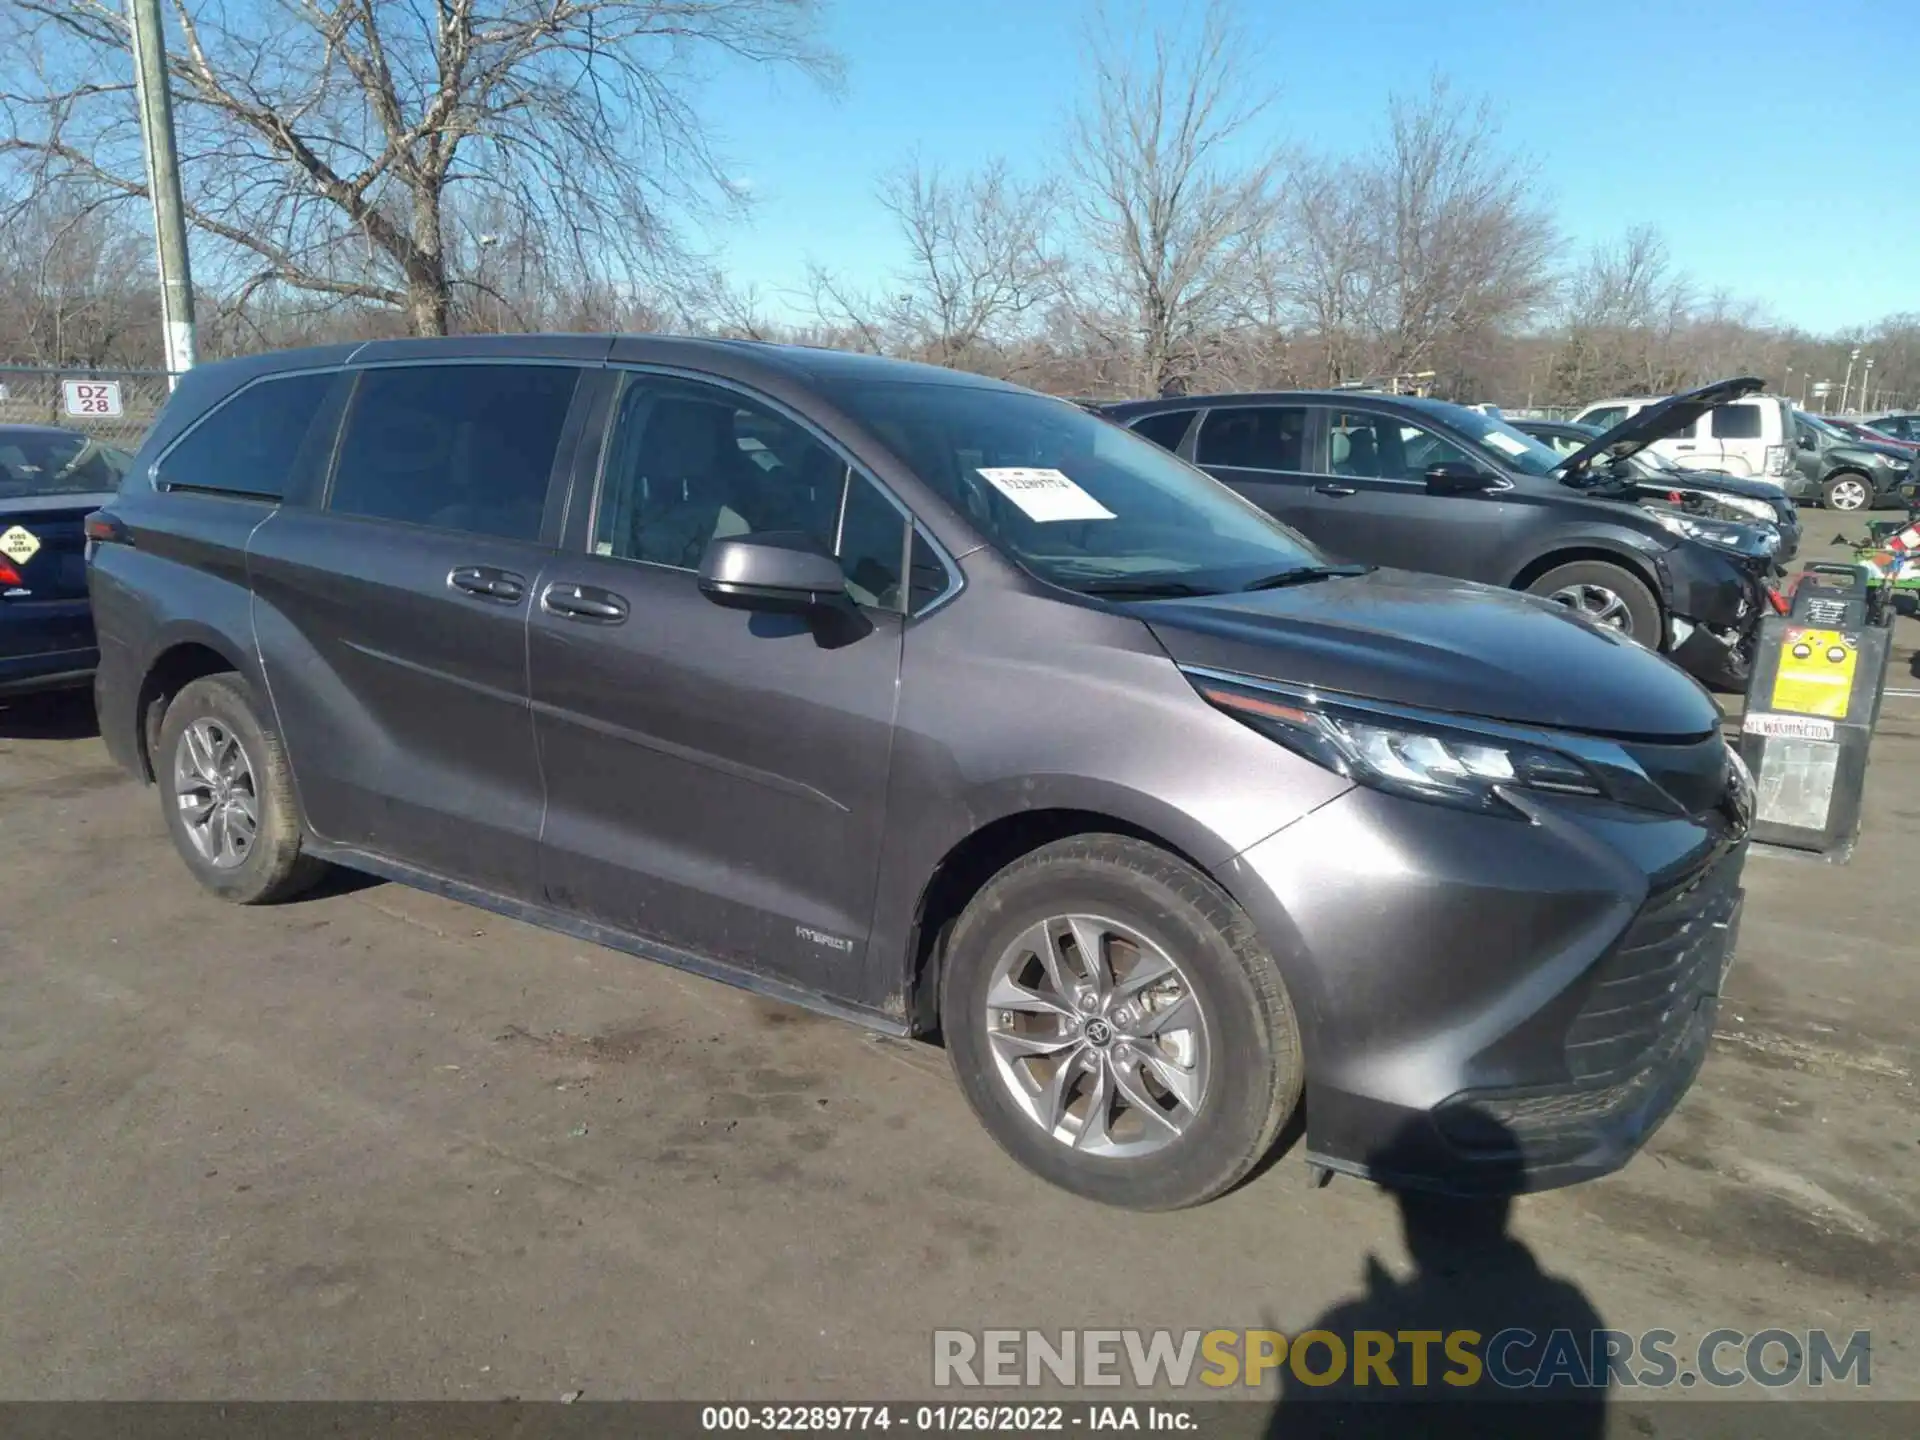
[[946, 707]]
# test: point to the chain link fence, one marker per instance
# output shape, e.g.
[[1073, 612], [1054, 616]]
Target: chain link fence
[[113, 406]]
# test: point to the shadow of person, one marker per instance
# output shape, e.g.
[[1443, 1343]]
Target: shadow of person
[[1477, 1321]]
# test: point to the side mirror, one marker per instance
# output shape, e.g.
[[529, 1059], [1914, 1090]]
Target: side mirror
[[1807, 442], [1457, 477], [780, 572]]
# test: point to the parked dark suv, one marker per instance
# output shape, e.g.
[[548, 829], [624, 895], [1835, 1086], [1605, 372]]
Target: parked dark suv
[[931, 702], [1397, 480]]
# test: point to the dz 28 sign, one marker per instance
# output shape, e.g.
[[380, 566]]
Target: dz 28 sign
[[92, 399]]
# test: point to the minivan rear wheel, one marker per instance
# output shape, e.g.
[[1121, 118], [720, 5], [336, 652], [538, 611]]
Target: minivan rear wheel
[[228, 795], [1117, 1025], [1609, 595]]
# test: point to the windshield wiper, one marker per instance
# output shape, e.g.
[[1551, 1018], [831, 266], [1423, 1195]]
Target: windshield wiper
[[1306, 575], [1121, 588]]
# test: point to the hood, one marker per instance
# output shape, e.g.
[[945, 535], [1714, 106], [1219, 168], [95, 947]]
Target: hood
[[1439, 644], [1661, 419]]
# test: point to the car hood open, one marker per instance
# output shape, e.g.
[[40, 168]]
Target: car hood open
[[1660, 420], [1439, 644]]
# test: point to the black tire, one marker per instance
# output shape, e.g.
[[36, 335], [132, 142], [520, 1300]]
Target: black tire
[[273, 867], [1848, 492], [1642, 621], [1254, 1038]]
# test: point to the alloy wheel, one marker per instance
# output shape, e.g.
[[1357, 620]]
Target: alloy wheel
[[1598, 604], [1847, 494], [214, 787], [1098, 1037]]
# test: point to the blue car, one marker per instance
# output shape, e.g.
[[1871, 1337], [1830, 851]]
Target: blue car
[[50, 480]]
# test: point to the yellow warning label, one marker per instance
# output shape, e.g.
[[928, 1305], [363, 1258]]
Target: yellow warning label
[[1816, 672], [19, 544]]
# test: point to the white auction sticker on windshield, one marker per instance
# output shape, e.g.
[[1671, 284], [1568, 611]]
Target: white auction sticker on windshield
[[1045, 494], [1506, 443]]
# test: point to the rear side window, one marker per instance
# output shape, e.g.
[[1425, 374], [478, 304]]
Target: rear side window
[[1261, 437], [252, 444], [1605, 419], [456, 447], [1737, 422], [1166, 431]]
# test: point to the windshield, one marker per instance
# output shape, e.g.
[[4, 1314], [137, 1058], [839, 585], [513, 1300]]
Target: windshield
[[1832, 432], [1513, 448], [1073, 498], [51, 462]]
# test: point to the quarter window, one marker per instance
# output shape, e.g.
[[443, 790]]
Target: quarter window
[[253, 444], [1258, 437], [1166, 430], [1737, 422], [457, 447], [688, 464]]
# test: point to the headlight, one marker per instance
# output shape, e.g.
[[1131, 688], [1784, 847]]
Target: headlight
[[1725, 534], [1747, 505], [1892, 462], [1439, 763]]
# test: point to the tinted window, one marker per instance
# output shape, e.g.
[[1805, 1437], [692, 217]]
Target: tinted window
[[1736, 422], [53, 462], [457, 447], [1262, 437], [1380, 447], [688, 464], [1166, 431], [1605, 419], [1074, 499], [251, 444]]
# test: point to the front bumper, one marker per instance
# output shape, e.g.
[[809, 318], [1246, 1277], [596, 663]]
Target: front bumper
[[1491, 1005]]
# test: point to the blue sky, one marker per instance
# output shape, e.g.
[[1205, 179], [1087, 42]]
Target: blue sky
[[1776, 143]]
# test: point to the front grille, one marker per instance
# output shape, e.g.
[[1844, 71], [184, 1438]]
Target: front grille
[[1669, 957]]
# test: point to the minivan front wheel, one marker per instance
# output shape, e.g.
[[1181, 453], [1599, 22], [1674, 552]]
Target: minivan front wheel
[[228, 795], [1609, 595], [1117, 1026]]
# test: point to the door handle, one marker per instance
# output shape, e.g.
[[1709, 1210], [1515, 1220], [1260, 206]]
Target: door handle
[[488, 583], [584, 602], [1335, 490]]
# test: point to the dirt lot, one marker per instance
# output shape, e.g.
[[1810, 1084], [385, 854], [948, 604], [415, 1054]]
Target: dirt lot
[[376, 1144]]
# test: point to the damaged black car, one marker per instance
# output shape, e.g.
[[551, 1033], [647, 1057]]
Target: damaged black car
[[1420, 484]]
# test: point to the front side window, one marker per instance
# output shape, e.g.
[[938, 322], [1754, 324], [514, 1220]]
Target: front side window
[[1071, 498], [1381, 447], [456, 447], [688, 464], [1255, 437], [253, 442], [56, 462], [1737, 422]]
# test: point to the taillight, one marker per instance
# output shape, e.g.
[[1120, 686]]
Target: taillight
[[9, 576], [1776, 459]]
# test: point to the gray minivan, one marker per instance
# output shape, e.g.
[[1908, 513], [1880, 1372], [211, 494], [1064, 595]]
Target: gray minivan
[[948, 708]]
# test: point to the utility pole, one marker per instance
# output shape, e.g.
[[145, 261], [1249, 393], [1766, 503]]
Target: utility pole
[[163, 183], [1866, 382], [1846, 385]]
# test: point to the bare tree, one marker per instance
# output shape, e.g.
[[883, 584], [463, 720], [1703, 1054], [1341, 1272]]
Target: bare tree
[[1322, 277], [332, 146], [980, 259], [72, 286], [1461, 245], [1167, 217], [1624, 309]]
